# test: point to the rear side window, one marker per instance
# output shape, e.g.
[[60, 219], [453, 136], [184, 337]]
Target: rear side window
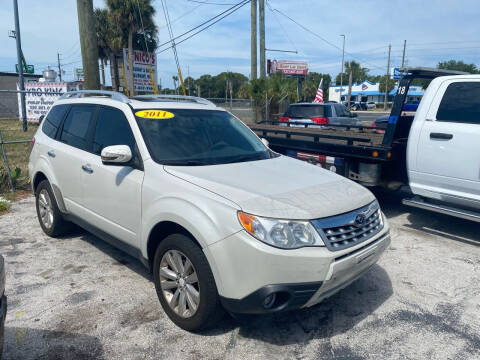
[[461, 103], [342, 110], [112, 129], [53, 120], [77, 125], [305, 111]]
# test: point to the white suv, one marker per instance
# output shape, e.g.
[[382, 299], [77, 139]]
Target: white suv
[[187, 188]]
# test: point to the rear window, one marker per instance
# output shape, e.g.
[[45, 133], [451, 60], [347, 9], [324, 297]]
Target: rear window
[[461, 103], [307, 111], [53, 120], [76, 126]]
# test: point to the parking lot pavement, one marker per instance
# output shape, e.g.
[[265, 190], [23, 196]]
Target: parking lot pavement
[[79, 298], [367, 117]]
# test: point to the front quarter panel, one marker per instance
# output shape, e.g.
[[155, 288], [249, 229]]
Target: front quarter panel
[[207, 216]]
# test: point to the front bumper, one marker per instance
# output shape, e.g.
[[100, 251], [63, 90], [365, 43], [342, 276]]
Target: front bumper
[[247, 271]]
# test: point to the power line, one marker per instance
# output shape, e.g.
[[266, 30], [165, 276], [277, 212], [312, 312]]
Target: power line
[[236, 7], [208, 2], [281, 26], [181, 16], [241, 4], [322, 38]]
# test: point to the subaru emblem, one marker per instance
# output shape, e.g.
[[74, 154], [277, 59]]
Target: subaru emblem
[[360, 219]]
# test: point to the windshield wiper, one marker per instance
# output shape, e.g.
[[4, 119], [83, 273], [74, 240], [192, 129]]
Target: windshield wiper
[[186, 163], [244, 158]]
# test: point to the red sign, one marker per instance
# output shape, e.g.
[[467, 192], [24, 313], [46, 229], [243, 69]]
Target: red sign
[[289, 67]]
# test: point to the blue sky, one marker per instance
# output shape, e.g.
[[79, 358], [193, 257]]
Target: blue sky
[[435, 30]]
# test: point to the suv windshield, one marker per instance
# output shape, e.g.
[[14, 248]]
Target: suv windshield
[[308, 111], [200, 137]]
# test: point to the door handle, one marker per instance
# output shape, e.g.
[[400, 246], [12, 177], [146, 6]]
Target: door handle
[[441, 136], [87, 169], [51, 154]]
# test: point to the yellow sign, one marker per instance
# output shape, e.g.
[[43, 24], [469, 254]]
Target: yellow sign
[[154, 114]]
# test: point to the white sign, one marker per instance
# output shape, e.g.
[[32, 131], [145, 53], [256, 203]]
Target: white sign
[[143, 63], [40, 98]]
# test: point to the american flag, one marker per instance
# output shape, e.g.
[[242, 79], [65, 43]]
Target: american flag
[[319, 96]]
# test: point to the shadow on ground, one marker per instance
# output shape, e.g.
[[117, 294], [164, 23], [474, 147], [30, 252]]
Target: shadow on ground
[[29, 343]]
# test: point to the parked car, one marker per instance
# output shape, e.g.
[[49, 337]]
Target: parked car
[[3, 304], [371, 105], [223, 221], [319, 114], [381, 124]]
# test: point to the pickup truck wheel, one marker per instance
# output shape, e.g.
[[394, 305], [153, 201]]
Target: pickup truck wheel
[[51, 220], [185, 284]]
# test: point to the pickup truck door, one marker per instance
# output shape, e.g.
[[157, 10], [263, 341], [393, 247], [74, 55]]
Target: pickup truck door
[[448, 153]]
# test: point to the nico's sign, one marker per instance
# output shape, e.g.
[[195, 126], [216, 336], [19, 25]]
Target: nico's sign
[[144, 68], [40, 98]]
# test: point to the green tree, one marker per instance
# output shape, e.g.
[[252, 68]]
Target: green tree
[[391, 83], [359, 73], [458, 66], [311, 84], [129, 15]]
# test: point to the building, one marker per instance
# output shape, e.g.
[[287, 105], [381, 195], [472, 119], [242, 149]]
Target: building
[[370, 92], [9, 101]]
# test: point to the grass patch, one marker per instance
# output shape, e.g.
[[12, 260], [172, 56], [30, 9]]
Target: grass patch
[[17, 154]]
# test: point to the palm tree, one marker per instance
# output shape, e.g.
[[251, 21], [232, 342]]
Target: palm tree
[[129, 15], [102, 28]]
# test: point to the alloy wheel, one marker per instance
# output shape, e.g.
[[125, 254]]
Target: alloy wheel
[[45, 208]]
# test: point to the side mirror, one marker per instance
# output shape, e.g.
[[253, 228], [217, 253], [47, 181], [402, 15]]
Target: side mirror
[[265, 142], [116, 155], [40, 119]]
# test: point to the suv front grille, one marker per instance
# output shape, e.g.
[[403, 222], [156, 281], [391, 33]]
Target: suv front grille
[[346, 230]]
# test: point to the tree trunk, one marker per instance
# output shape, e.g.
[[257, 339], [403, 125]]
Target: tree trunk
[[130, 63], [114, 71], [103, 62]]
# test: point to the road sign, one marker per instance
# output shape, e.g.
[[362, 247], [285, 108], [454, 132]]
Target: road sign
[[396, 74], [30, 69]]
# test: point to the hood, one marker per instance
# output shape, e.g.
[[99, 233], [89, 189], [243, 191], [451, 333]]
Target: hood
[[281, 187]]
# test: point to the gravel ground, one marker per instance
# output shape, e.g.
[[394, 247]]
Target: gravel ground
[[79, 298]]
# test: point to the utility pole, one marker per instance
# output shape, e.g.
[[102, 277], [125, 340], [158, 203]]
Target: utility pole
[[21, 85], [59, 67], [404, 48], [253, 40], [350, 80], [386, 78], [341, 73], [263, 65], [88, 42]]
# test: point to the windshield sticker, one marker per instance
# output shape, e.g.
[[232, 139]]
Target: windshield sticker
[[154, 114]]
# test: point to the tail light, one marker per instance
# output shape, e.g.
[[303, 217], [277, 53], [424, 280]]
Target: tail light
[[285, 119], [32, 142], [320, 120], [374, 124]]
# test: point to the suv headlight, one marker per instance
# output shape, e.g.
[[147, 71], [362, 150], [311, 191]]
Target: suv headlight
[[285, 234]]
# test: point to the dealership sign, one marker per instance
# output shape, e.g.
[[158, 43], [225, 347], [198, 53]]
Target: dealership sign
[[144, 64], [289, 67], [40, 98]]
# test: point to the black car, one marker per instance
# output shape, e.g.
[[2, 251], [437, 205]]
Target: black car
[[3, 304], [381, 123]]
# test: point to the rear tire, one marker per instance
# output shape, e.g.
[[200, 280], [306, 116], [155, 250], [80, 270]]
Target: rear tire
[[194, 286], [49, 216]]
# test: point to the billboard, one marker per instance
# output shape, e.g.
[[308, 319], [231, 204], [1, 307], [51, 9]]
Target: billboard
[[40, 97], [142, 63], [288, 67]]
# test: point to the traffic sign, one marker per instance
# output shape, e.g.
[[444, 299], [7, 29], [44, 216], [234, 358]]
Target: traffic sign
[[30, 69]]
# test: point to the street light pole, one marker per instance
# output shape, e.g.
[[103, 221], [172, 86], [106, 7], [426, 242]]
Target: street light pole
[[21, 85], [341, 74]]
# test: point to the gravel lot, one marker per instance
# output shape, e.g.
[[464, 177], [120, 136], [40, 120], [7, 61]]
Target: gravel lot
[[79, 298]]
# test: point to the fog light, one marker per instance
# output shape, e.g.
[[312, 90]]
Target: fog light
[[269, 301]]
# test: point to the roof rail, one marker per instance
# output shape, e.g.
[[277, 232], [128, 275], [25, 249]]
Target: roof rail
[[102, 93], [160, 97]]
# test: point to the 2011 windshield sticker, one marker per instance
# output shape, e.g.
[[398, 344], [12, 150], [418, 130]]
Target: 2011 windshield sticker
[[154, 114]]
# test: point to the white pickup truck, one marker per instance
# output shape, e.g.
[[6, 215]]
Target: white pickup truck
[[436, 151], [443, 151]]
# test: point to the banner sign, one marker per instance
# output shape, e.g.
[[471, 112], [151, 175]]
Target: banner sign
[[289, 67], [143, 63], [40, 98]]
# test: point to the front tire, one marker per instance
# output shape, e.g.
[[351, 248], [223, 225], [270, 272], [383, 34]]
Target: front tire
[[185, 284], [51, 220]]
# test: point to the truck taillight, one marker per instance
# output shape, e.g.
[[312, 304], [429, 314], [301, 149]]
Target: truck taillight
[[320, 120], [285, 119]]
